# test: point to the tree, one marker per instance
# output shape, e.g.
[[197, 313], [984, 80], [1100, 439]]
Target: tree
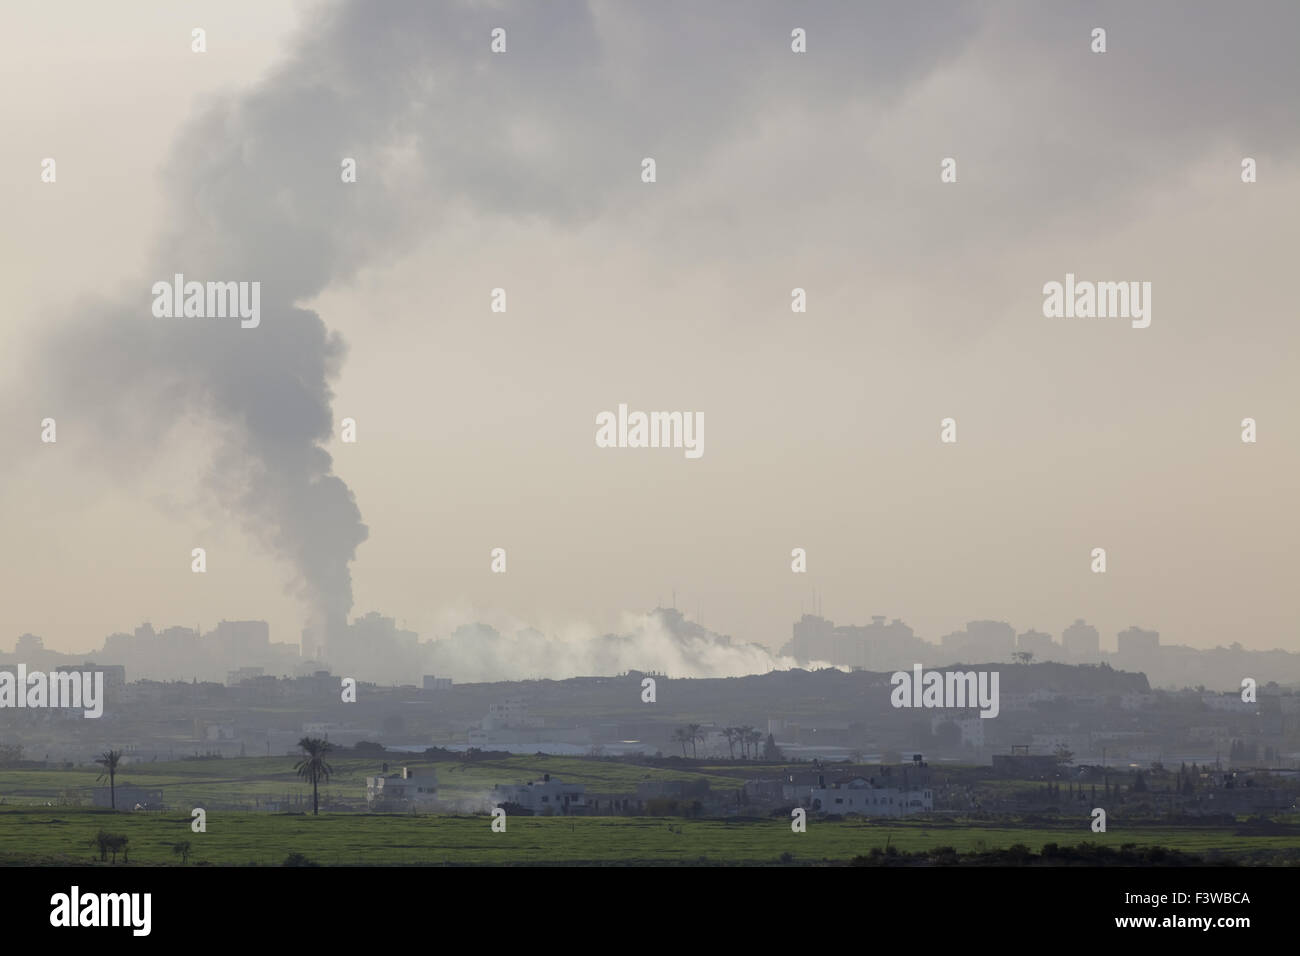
[[694, 730], [1023, 657], [182, 850], [313, 766], [109, 843], [1064, 755], [731, 733], [755, 739], [109, 760], [682, 736], [742, 736], [770, 750]]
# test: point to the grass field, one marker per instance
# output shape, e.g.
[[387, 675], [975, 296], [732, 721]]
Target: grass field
[[64, 835], [242, 780], [46, 817]]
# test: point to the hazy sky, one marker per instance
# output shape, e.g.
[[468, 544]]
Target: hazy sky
[[775, 170]]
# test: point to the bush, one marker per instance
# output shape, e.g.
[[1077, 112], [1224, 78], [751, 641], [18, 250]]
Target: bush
[[107, 843]]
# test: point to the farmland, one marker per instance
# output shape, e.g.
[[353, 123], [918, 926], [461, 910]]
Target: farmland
[[65, 835], [255, 816]]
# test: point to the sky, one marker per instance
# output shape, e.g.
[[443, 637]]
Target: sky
[[775, 170]]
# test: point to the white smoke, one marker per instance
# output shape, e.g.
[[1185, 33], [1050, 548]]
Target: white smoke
[[661, 641]]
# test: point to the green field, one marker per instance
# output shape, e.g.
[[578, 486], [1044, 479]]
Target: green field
[[46, 817], [241, 781], [64, 835]]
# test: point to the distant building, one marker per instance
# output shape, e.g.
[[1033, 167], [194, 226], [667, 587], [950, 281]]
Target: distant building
[[509, 714], [876, 646], [1082, 643], [236, 677], [240, 640], [1039, 644], [214, 731], [1230, 703], [860, 795], [980, 641], [559, 798], [402, 790], [114, 674], [436, 683], [1138, 643]]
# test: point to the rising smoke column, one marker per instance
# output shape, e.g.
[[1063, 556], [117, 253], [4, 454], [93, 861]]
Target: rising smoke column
[[411, 91]]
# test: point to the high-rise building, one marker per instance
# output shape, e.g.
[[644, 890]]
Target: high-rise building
[[1082, 643], [1136, 642], [1039, 644]]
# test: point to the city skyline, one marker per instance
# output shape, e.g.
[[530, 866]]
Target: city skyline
[[820, 172]]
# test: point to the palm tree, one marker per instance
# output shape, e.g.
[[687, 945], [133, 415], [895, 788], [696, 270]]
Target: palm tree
[[730, 733], [755, 738], [745, 734], [694, 730], [313, 766], [182, 850], [109, 761], [680, 736]]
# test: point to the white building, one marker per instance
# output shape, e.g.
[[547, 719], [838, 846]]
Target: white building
[[509, 714], [402, 791], [539, 797], [219, 731], [859, 796]]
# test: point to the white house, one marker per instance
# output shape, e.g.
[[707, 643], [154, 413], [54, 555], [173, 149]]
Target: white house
[[548, 794], [859, 796], [402, 791]]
